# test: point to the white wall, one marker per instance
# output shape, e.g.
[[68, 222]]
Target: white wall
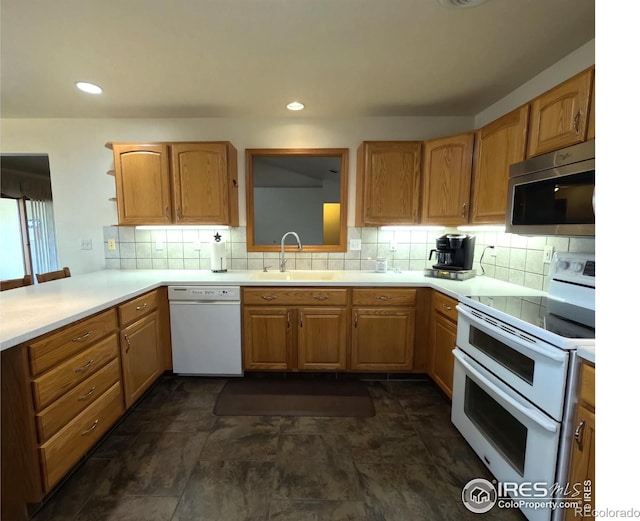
[[79, 159]]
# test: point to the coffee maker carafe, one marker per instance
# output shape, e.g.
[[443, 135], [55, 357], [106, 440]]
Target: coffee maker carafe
[[454, 252]]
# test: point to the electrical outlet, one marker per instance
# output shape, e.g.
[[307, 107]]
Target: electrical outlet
[[393, 246], [196, 245], [159, 244], [111, 244], [85, 244], [355, 244], [547, 254], [492, 251]]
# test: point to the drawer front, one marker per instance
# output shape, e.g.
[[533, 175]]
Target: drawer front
[[384, 297], [295, 296], [445, 305], [60, 412], [64, 377], [588, 384], [62, 452], [53, 349], [138, 307]]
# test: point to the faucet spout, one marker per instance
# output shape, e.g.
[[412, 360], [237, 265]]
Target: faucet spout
[[283, 261]]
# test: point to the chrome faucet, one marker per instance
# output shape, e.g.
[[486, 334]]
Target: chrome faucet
[[283, 261]]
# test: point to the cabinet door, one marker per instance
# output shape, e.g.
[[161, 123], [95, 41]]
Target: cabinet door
[[389, 183], [267, 337], [582, 469], [382, 339], [322, 338], [498, 145], [446, 189], [443, 342], [142, 184], [559, 117], [200, 183], [142, 357]]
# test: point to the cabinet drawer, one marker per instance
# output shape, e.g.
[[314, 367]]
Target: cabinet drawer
[[588, 384], [60, 412], [384, 297], [138, 307], [64, 450], [67, 375], [445, 305], [45, 353], [295, 296]]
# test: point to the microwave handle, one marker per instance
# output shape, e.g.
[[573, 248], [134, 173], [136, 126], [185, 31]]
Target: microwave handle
[[555, 354], [593, 200], [529, 412]]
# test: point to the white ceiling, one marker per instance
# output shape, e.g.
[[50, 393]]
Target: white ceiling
[[248, 58]]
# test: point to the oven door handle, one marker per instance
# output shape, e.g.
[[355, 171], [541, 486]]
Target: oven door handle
[[552, 354], [529, 412]]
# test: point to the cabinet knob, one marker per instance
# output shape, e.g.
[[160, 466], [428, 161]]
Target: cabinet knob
[[578, 434], [576, 122], [140, 308], [82, 338], [84, 367], [268, 297]]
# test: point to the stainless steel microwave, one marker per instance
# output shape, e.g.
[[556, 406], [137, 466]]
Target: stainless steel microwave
[[554, 194]]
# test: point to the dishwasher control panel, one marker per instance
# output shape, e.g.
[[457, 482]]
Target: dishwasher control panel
[[205, 293]]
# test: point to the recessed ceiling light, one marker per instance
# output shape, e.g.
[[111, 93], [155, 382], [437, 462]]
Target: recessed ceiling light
[[88, 87], [460, 4], [295, 105]]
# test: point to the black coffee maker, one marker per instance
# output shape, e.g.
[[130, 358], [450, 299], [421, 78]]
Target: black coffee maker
[[454, 252]]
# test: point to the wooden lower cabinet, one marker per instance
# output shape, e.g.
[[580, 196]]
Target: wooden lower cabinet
[[382, 339], [443, 324], [267, 338], [322, 338], [582, 472], [142, 356]]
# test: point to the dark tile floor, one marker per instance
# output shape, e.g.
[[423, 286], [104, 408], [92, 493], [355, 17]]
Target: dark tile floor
[[171, 459]]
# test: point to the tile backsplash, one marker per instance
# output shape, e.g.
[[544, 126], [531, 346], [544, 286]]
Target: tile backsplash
[[518, 259]]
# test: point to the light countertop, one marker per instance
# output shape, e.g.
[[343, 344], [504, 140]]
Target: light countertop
[[26, 313], [587, 353]]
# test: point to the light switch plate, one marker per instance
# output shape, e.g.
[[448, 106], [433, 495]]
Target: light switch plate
[[85, 244], [547, 254], [355, 244]]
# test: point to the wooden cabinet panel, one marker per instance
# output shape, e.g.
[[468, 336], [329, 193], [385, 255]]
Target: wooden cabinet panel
[[56, 347], [142, 183], [63, 450], [446, 185], [138, 307], [266, 338], [295, 296], [388, 181], [60, 412], [444, 341], [322, 338], [498, 145], [200, 183], [591, 126], [384, 297], [142, 357], [57, 381], [184, 183], [445, 305], [583, 460], [382, 339], [560, 116]]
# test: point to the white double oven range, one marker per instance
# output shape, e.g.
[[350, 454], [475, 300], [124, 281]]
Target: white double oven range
[[516, 372]]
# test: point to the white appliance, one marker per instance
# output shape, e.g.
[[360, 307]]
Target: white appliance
[[206, 330], [515, 376]]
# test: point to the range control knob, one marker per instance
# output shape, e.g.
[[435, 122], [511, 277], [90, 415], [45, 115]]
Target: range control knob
[[576, 267], [564, 265]]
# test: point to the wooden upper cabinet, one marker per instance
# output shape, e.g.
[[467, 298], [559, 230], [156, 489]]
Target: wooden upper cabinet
[[446, 187], [498, 145], [388, 181], [181, 183], [142, 183], [200, 183], [591, 127], [560, 116]]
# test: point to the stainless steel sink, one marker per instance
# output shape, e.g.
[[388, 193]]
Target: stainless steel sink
[[295, 275]]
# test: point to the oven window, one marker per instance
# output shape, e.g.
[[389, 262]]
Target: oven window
[[500, 428], [559, 200], [516, 362]]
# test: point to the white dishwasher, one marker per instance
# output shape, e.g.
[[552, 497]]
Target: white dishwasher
[[206, 330]]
